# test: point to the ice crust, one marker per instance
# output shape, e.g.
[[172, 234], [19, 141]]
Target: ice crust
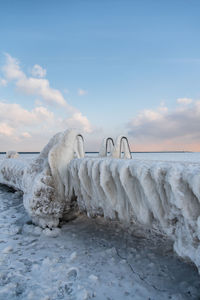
[[164, 196], [12, 154], [158, 195], [44, 181], [121, 144]]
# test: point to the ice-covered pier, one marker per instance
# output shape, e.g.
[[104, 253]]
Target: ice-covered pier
[[164, 196]]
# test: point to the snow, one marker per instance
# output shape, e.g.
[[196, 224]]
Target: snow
[[45, 179], [86, 259], [157, 195], [12, 154], [116, 149]]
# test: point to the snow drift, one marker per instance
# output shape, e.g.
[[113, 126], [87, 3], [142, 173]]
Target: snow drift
[[164, 196]]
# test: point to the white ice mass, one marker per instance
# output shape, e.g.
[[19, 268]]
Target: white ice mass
[[163, 196]]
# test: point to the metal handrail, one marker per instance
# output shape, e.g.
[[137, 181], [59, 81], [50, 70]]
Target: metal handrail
[[125, 138], [83, 152], [107, 140]]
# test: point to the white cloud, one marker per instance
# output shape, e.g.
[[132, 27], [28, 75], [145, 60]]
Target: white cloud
[[38, 71], [26, 135], [32, 86], [146, 116], [79, 121], [24, 128], [6, 129], [185, 101], [167, 129], [11, 69], [82, 92], [40, 88], [17, 116]]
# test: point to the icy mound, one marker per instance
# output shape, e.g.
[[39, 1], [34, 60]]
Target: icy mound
[[159, 195], [43, 181], [12, 172], [12, 154]]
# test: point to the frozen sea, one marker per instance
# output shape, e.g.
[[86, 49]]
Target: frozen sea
[[156, 156], [89, 258]]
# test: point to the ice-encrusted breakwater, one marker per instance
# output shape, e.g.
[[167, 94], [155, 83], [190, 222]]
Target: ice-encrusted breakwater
[[44, 181], [160, 195]]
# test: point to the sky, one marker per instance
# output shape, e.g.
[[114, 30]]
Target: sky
[[107, 68]]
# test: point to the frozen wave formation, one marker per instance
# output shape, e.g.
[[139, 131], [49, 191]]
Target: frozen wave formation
[[161, 195]]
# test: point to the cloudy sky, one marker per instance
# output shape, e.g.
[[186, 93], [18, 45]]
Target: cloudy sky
[[105, 67]]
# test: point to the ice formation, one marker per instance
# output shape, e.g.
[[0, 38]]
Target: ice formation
[[159, 195], [121, 143], [12, 154], [106, 145], [120, 146], [44, 181], [164, 196]]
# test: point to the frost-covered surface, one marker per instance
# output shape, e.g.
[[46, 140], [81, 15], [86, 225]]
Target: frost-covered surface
[[159, 195], [44, 180], [86, 259], [164, 196], [116, 149], [12, 172], [12, 154]]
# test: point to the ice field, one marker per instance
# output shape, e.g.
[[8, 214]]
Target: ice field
[[86, 259], [131, 215]]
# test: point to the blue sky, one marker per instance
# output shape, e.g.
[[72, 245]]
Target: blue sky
[[126, 67]]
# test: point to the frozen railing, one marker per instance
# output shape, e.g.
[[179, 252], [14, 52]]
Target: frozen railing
[[79, 146], [119, 149], [45, 181], [107, 144]]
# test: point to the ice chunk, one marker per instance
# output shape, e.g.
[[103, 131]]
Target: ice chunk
[[12, 154]]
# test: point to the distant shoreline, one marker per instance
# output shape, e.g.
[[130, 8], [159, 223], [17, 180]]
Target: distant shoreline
[[95, 152]]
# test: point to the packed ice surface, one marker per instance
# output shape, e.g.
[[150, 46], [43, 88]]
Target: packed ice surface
[[86, 259], [163, 196]]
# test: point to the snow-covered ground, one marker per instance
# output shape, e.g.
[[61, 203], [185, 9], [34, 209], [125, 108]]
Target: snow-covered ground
[[86, 259], [157, 202]]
